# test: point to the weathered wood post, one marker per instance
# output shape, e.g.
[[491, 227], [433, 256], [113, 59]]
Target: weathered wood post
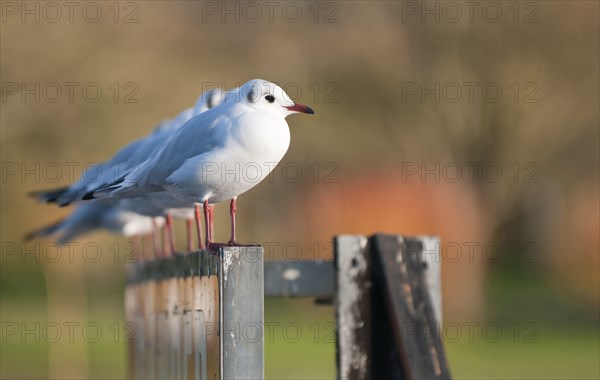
[[388, 308], [197, 315]]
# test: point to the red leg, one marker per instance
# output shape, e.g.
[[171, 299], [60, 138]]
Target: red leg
[[208, 222], [165, 241], [198, 225], [232, 210], [170, 227], [189, 226], [207, 232]]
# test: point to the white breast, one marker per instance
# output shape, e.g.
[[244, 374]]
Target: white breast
[[254, 145]]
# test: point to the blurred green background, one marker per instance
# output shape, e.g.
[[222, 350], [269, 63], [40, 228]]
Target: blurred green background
[[477, 123]]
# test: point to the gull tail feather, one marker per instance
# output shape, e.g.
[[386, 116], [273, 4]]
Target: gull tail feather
[[45, 231], [104, 191], [49, 196]]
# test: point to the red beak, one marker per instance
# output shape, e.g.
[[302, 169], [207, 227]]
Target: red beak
[[301, 108]]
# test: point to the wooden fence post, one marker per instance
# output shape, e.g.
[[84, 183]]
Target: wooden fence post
[[388, 308], [353, 307], [197, 315]]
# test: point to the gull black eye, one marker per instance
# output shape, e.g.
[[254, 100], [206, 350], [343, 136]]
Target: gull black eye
[[270, 98]]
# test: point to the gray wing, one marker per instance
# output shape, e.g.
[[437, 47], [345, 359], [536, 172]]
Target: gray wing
[[128, 158], [96, 175], [201, 134]]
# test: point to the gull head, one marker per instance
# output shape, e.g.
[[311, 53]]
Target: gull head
[[265, 96], [209, 99]]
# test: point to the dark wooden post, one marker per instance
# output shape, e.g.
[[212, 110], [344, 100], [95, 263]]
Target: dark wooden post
[[353, 307], [388, 325]]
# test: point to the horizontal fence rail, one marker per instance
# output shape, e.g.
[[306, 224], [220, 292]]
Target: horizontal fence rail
[[300, 279]]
